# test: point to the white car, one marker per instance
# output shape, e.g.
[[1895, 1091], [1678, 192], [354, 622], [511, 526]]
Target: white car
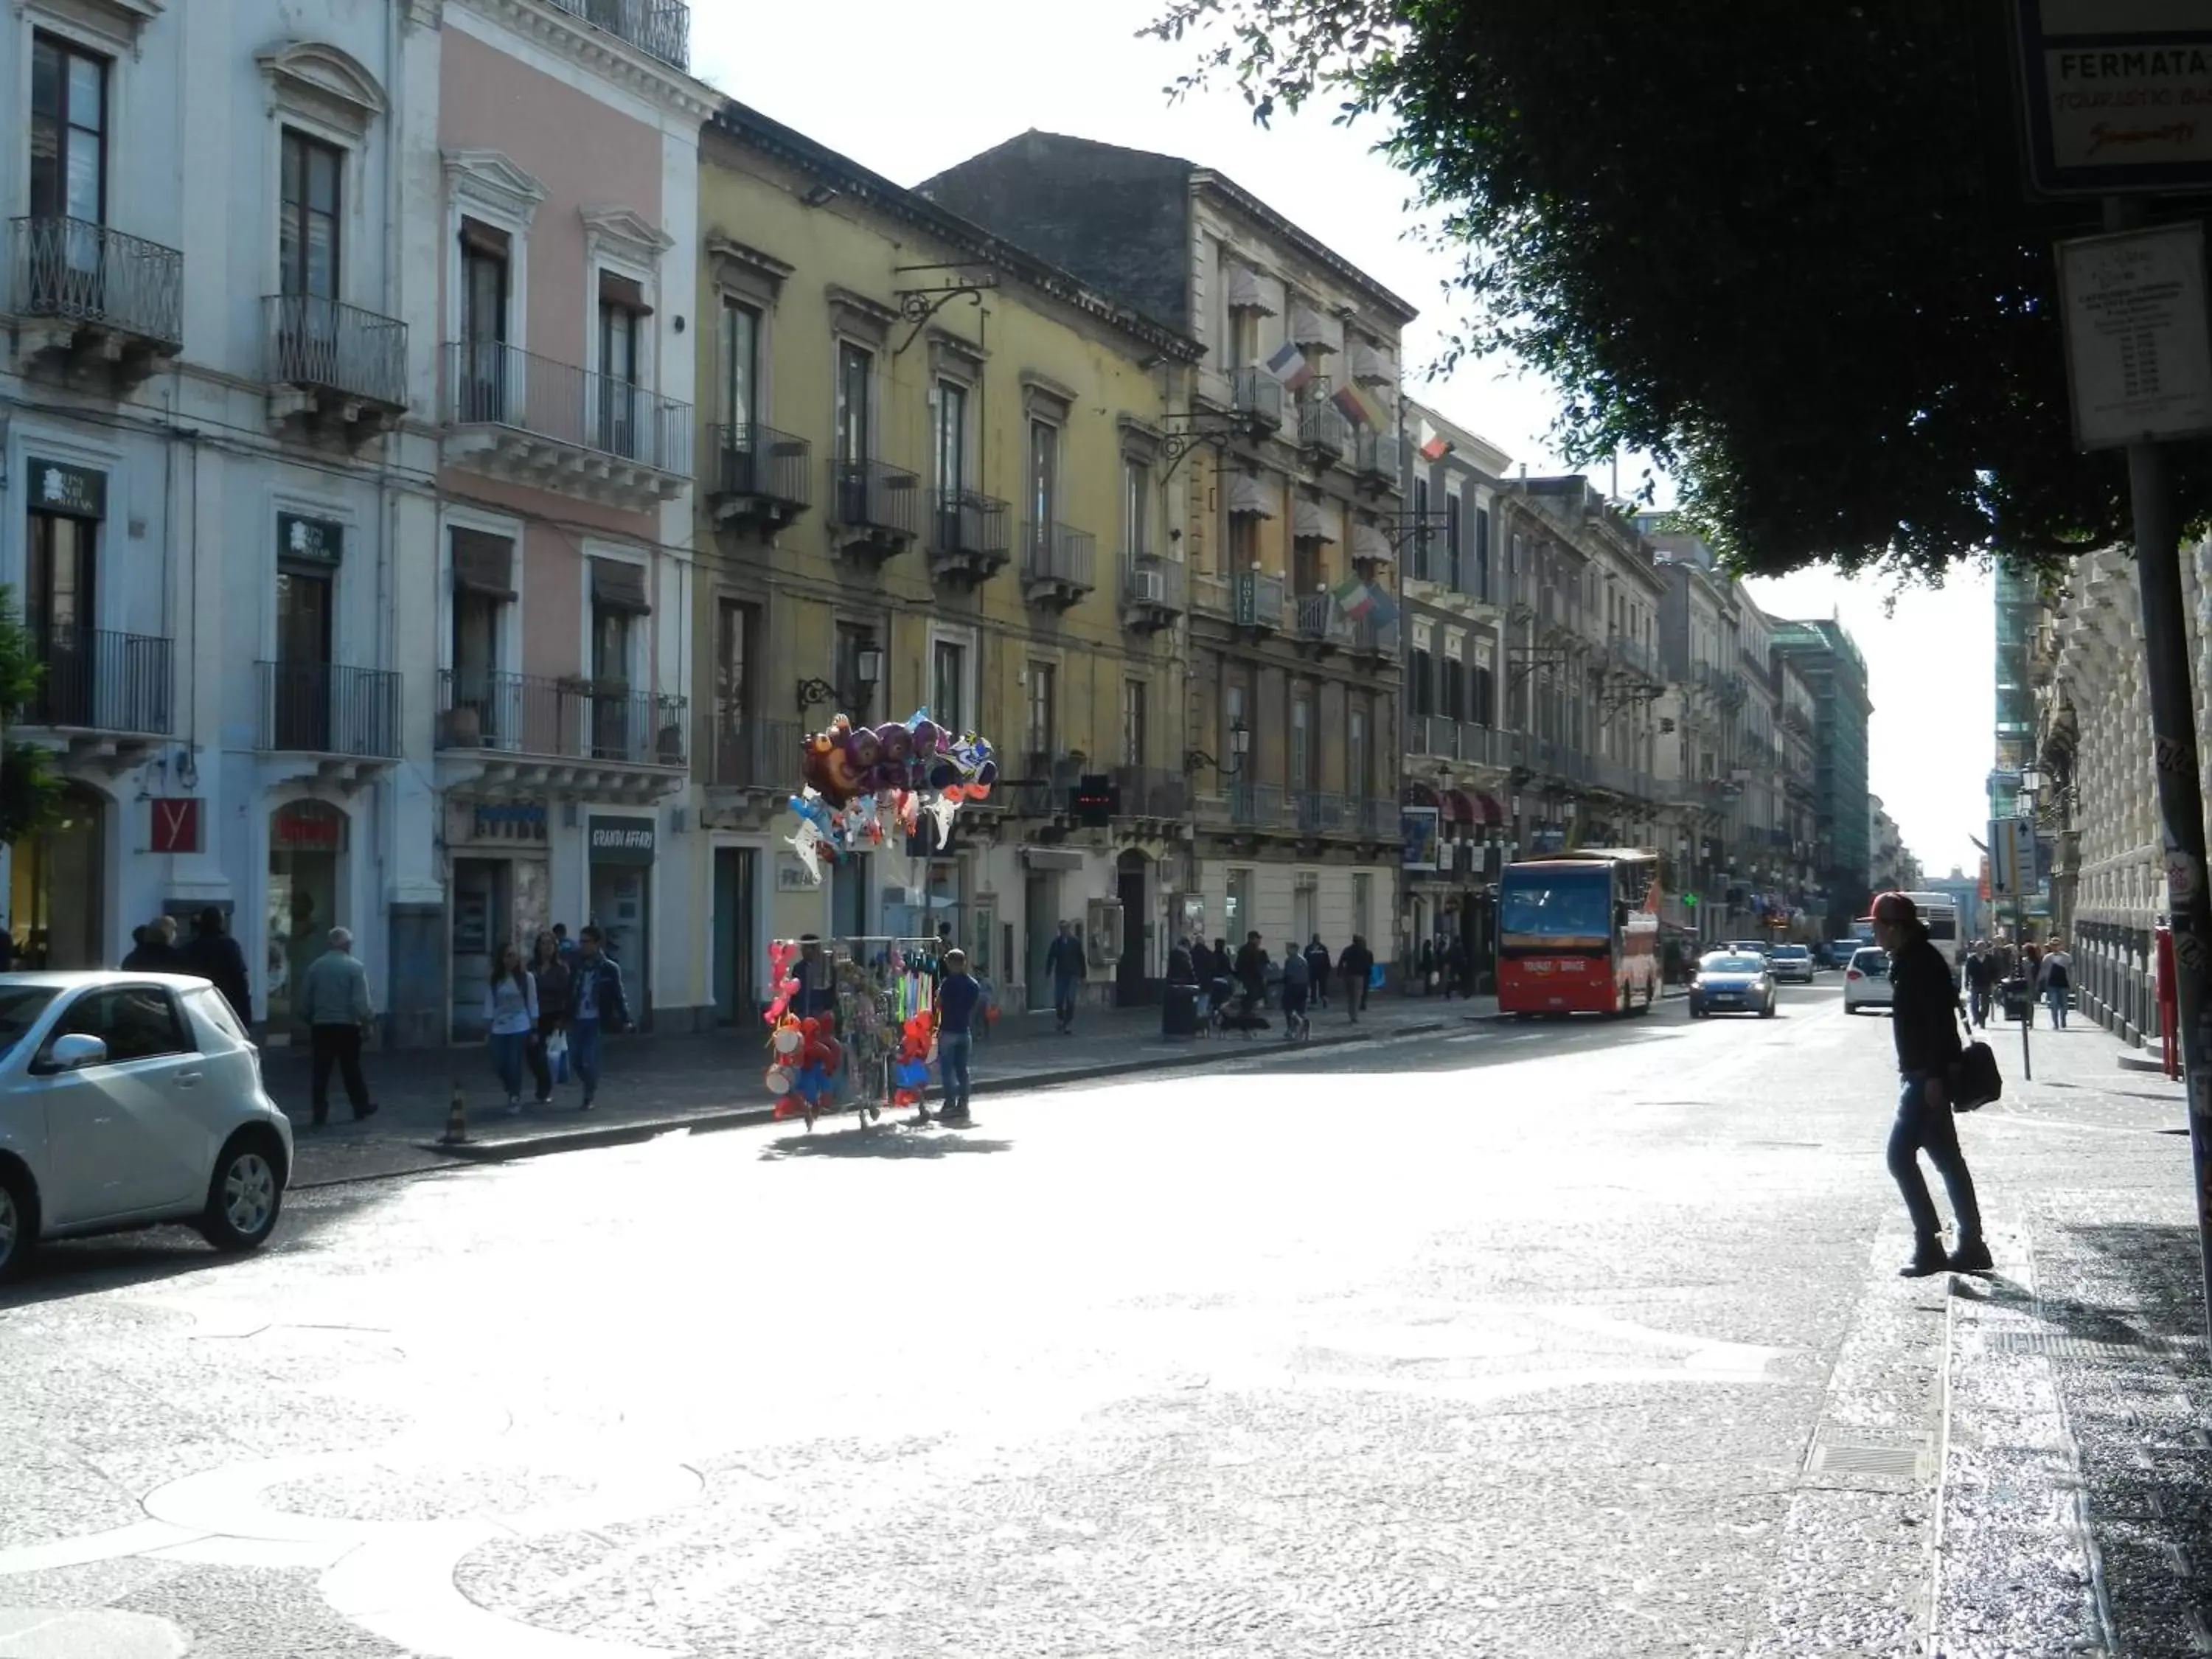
[[1866, 982], [1793, 963], [130, 1100]]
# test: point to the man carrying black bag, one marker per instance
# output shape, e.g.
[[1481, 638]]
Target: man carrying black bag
[[1925, 1009]]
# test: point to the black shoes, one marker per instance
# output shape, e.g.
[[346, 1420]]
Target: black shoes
[[1927, 1258], [1972, 1256]]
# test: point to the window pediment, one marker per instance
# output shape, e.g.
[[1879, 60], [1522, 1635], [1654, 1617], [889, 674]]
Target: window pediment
[[117, 21], [624, 235], [857, 315], [1044, 398], [745, 270], [488, 179], [323, 81]]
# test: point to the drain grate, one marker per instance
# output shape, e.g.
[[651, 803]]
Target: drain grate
[[1878, 1462], [2057, 1345]]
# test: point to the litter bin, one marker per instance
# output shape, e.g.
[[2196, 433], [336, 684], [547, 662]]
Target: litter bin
[[1179, 1010], [2011, 997]]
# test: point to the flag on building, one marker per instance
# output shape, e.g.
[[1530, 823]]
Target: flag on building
[[1432, 444], [1355, 597], [1357, 406], [1381, 608], [1289, 365]]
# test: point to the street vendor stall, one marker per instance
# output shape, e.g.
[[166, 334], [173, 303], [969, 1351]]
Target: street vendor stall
[[873, 1031]]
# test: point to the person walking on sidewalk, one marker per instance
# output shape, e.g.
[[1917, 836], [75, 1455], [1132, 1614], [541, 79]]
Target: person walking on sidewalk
[[1064, 957], [1318, 962], [2056, 983], [1981, 976], [154, 949], [1298, 983], [599, 1007], [1455, 968], [214, 955], [1252, 972], [333, 998], [554, 982], [510, 1007], [1356, 962], [1925, 1023], [959, 1000]]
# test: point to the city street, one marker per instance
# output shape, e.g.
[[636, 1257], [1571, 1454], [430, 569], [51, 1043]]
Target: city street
[[1537, 1338]]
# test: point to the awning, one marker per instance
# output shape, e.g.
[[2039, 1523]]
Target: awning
[[1493, 813], [1457, 808], [1370, 544], [619, 587], [1417, 794], [1315, 332], [1247, 495], [626, 292], [1052, 858], [1245, 293], [483, 563], [1314, 525], [1370, 367]]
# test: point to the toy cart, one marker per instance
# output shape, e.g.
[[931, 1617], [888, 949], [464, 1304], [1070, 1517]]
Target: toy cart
[[878, 984]]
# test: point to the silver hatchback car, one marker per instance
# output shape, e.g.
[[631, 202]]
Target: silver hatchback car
[[129, 1100]]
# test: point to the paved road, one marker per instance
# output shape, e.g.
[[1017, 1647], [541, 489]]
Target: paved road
[[1557, 1340]]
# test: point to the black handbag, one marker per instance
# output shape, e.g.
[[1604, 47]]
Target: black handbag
[[1972, 1080]]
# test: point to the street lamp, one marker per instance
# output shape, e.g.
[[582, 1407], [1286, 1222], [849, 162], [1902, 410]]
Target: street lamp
[[2030, 786], [1240, 744]]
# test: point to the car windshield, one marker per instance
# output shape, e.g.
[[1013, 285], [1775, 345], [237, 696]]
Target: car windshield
[[1556, 904], [1790, 953], [1736, 965], [1871, 962], [20, 1008]]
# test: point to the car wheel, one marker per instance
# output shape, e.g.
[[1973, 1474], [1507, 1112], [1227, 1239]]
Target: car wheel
[[1767, 1013], [19, 1222], [246, 1194]]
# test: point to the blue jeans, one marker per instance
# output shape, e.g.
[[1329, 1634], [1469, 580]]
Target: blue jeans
[[1063, 998], [1922, 1127], [2055, 996], [584, 1054], [952, 1048], [508, 1051]]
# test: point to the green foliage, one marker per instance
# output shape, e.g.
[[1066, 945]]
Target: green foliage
[[1779, 248], [30, 791]]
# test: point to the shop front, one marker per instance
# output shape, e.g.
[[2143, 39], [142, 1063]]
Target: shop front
[[500, 879], [58, 887], [309, 843], [620, 850]]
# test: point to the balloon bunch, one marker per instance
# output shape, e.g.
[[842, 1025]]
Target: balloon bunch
[[859, 779], [910, 1066], [781, 954], [804, 1073]]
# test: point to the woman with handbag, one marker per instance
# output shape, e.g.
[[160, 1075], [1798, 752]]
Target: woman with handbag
[[510, 1011], [548, 1046], [1924, 1009]]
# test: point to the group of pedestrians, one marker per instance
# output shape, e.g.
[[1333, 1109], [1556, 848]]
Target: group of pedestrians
[[1239, 982], [1445, 965], [2043, 972], [552, 1012]]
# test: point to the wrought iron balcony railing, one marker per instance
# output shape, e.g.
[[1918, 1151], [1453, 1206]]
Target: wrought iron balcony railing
[[1154, 584], [753, 754], [659, 28], [322, 709], [1255, 805], [758, 463], [78, 271], [1380, 454], [323, 346], [563, 718], [1057, 556], [1258, 600], [1318, 620], [488, 383], [1320, 812], [1255, 392], [965, 523], [872, 495], [1322, 429], [94, 680]]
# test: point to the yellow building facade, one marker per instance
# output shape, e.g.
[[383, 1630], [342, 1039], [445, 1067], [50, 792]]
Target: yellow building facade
[[931, 477]]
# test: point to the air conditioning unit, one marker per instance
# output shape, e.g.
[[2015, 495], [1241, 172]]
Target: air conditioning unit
[[1148, 587]]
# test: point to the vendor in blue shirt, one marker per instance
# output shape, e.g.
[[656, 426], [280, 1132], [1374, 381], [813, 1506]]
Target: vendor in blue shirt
[[959, 1002]]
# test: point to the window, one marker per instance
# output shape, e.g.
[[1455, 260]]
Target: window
[[948, 682], [1134, 739], [58, 607], [1355, 751], [136, 1022], [1137, 506], [1482, 552], [622, 346], [1419, 570], [1485, 696], [1044, 713], [1454, 688], [484, 578], [1243, 338], [1232, 716], [1301, 741], [951, 436], [302, 710], [307, 240], [856, 368], [735, 627], [1421, 683], [741, 330], [1044, 476], [69, 134], [1362, 901], [1240, 551], [1452, 571], [485, 261], [1237, 917], [854, 695]]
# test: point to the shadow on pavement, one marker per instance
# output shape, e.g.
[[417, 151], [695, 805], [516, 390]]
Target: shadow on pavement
[[888, 1141]]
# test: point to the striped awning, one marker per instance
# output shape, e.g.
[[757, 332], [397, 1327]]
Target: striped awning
[[1370, 545], [1245, 293], [1316, 331], [1370, 367], [1250, 497], [1312, 523]]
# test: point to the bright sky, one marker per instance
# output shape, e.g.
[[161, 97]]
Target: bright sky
[[909, 92]]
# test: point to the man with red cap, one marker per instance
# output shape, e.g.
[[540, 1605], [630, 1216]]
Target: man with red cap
[[1925, 1007]]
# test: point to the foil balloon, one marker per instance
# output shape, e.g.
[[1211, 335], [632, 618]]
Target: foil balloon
[[896, 741], [808, 842], [943, 810], [866, 749], [928, 736]]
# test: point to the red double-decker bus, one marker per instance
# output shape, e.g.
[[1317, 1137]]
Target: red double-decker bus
[[1578, 933]]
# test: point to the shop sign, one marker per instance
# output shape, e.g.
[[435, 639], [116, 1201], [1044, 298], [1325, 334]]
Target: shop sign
[[507, 821], [1549, 838], [791, 875], [310, 541], [1418, 837], [176, 824], [621, 840], [307, 826], [57, 487]]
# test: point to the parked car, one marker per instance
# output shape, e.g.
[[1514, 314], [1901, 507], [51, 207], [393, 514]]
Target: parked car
[[1793, 963], [1732, 981], [130, 1100], [1866, 982]]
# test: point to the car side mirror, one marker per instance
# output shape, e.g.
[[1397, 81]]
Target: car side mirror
[[73, 1052]]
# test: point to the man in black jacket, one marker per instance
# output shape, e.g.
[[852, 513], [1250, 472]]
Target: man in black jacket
[[1925, 1022], [214, 955]]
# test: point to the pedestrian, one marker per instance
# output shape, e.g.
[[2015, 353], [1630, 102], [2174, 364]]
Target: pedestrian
[[1356, 962], [1064, 958], [2031, 979], [600, 1007], [510, 1008], [2058, 981], [1981, 976], [1298, 982], [1252, 971], [1317, 964], [1457, 964], [554, 981], [1425, 965], [154, 949], [563, 945], [215, 956], [816, 995], [1924, 1007], [7, 951], [333, 998], [958, 1000]]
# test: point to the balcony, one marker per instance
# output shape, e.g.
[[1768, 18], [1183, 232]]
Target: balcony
[[334, 367], [1257, 396], [348, 718], [1323, 434], [1152, 594], [1485, 746], [1152, 792], [1632, 658], [1255, 805], [875, 510], [1432, 734], [1379, 639], [1372, 817], [103, 697], [1056, 565], [762, 479], [1317, 620], [659, 28], [968, 536], [1381, 456], [89, 297], [752, 766], [1256, 602], [1320, 812], [533, 734], [528, 420]]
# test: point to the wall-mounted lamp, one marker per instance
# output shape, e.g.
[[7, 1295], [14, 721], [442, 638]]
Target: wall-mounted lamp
[[1240, 745], [814, 690]]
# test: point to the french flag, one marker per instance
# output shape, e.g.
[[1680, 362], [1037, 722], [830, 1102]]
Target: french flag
[[1289, 365]]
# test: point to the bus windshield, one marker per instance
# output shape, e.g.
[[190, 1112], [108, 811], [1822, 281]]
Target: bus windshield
[[1943, 926], [1556, 904]]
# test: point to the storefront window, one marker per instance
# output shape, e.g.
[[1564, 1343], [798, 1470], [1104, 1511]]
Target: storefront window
[[306, 842], [58, 882]]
